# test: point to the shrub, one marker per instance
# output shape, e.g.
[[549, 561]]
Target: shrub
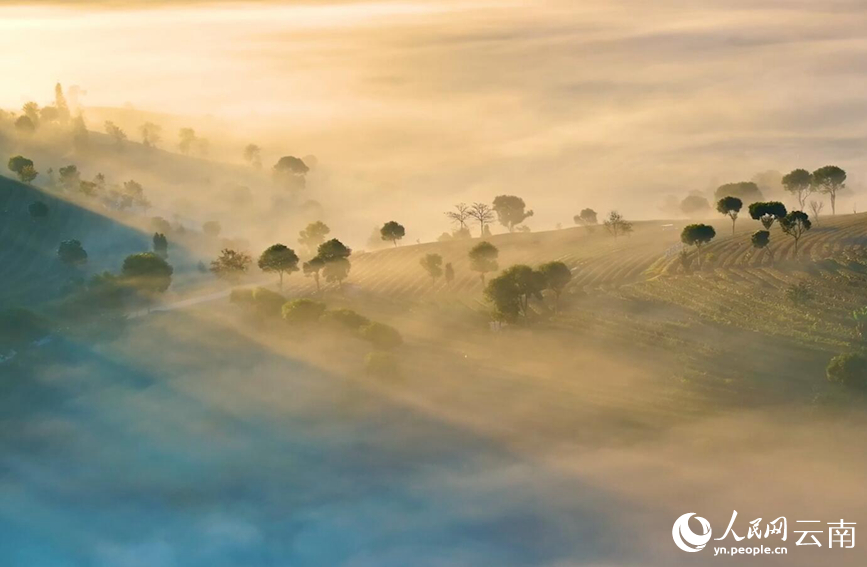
[[302, 311], [382, 365], [799, 294], [345, 319], [267, 303], [848, 370], [381, 335]]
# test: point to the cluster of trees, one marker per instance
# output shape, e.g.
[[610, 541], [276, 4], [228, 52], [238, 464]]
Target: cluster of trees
[[33, 117], [330, 262], [614, 224], [115, 196], [511, 292], [509, 210]]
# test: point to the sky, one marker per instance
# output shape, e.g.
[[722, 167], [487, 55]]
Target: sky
[[608, 104]]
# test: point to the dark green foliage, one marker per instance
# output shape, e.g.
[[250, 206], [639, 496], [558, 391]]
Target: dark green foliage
[[302, 311], [267, 303], [799, 183], [848, 370], [72, 253], [380, 364], [23, 168], [103, 294], [746, 191], [333, 259], [278, 258], [483, 259], [510, 211], [392, 231], [161, 245], [333, 250], [697, 235], [433, 265], [336, 270], [760, 239], [730, 206], [231, 264], [20, 327], [795, 224], [147, 273], [829, 180], [511, 291], [291, 172], [382, 336], [557, 277], [346, 319], [38, 210], [767, 212]]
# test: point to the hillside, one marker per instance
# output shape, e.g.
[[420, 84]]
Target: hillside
[[28, 246]]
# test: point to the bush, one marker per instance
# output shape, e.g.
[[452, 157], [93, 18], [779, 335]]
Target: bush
[[303, 311], [848, 370], [381, 335], [382, 365], [345, 319], [799, 294], [241, 296], [267, 303]]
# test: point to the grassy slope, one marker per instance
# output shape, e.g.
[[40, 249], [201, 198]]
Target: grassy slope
[[31, 272]]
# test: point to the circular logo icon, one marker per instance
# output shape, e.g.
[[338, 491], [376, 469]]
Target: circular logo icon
[[685, 538]]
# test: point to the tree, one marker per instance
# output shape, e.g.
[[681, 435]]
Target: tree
[[392, 231], [335, 258], [253, 155], [511, 211], [557, 277], [161, 245], [697, 235], [23, 168], [278, 258], [147, 273], [346, 319], [312, 269], [449, 274], [70, 178], [314, 235], [459, 215], [693, 205], [433, 265], [587, 217], [481, 213], [303, 311], [767, 212], [38, 210], [60, 104], [187, 141], [829, 180], [291, 172], [25, 124], [760, 241], [849, 370], [483, 259], [616, 225], [151, 134], [730, 206], [31, 111], [211, 228], [795, 224], [231, 264], [511, 291], [816, 207], [799, 182], [746, 191], [382, 336], [115, 133], [72, 253]]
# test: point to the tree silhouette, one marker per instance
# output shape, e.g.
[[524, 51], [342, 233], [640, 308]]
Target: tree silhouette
[[799, 182], [433, 265], [392, 231], [829, 180], [511, 211], [697, 235], [483, 259], [278, 258], [730, 206], [795, 224]]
